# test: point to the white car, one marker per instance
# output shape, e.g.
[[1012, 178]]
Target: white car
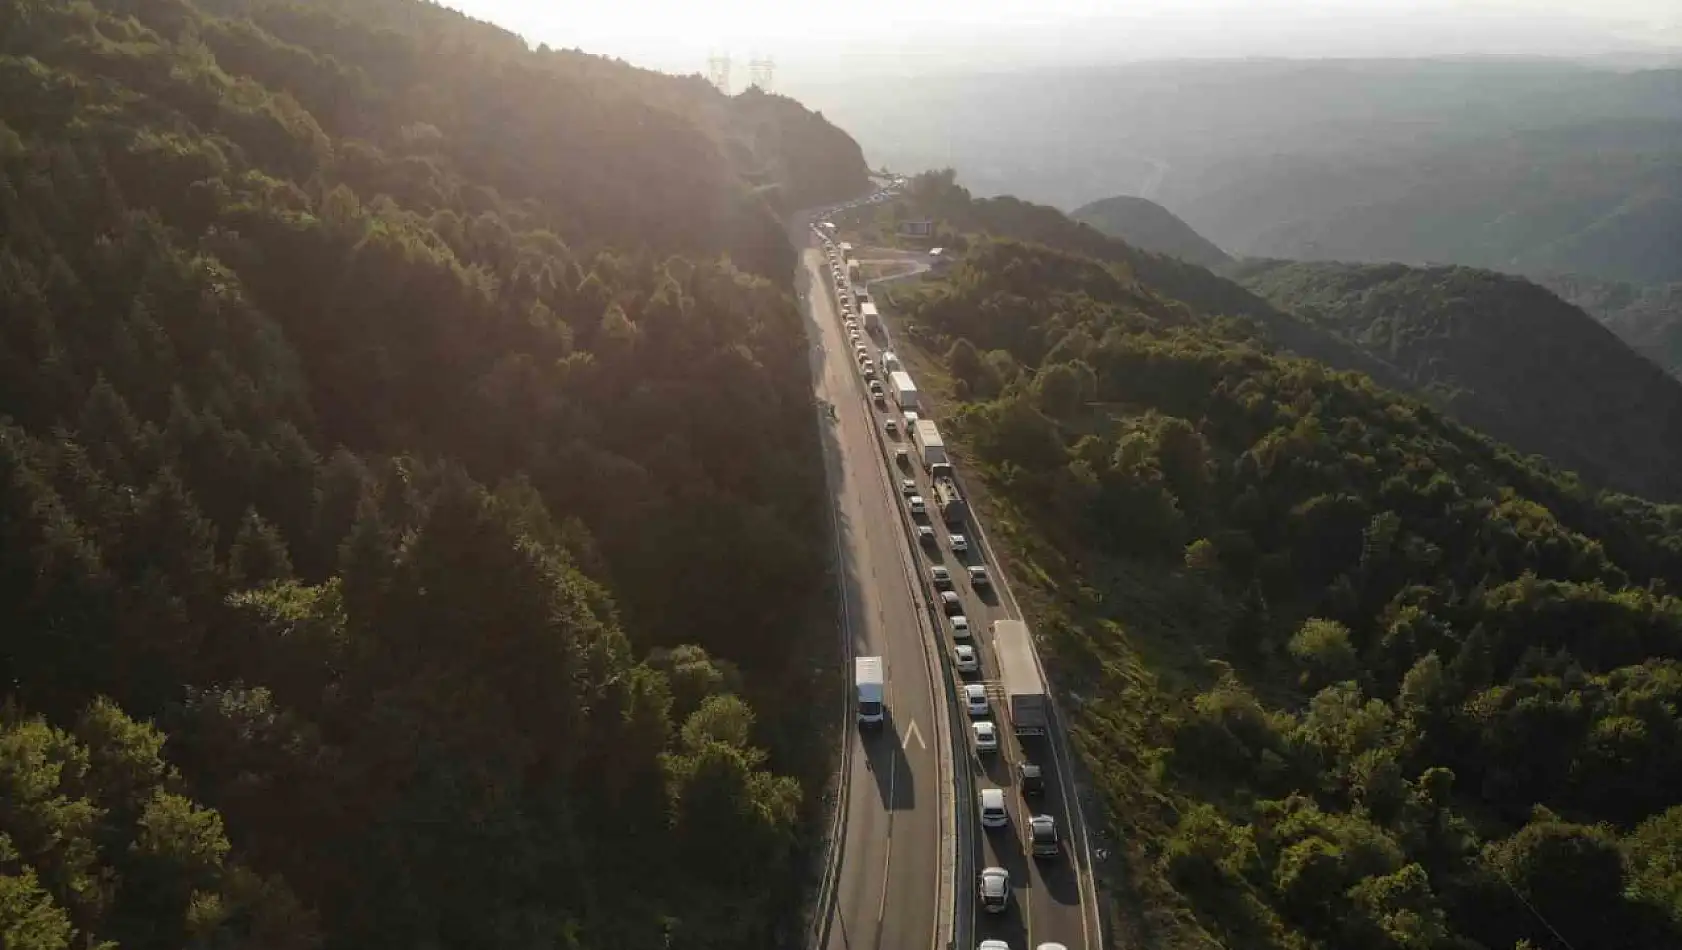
[[908, 487], [964, 658], [950, 603], [959, 543], [997, 945], [917, 506], [975, 700], [986, 736], [995, 890], [925, 535], [960, 625], [890, 427], [993, 813]]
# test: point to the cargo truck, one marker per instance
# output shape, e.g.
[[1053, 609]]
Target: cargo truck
[[890, 361], [872, 320], [1021, 677], [905, 391], [871, 688], [930, 447], [952, 507]]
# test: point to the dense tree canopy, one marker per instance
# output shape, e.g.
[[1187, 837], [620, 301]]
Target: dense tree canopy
[[1347, 673], [1505, 357], [377, 398]]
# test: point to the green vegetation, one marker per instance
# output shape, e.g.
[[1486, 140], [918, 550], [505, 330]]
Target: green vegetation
[[1150, 227], [1647, 316], [1503, 356], [959, 217], [1345, 673], [377, 397]]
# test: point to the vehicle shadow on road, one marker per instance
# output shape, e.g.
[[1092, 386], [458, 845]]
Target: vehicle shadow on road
[[1058, 875], [884, 751]]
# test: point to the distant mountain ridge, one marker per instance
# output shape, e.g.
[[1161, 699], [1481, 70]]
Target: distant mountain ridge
[[939, 196], [1145, 224], [1647, 316], [1521, 165], [1505, 356]]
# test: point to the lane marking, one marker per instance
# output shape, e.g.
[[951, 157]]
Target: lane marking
[[888, 851], [912, 733]]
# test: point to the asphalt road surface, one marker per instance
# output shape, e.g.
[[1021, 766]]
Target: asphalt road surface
[[1047, 904], [887, 892]]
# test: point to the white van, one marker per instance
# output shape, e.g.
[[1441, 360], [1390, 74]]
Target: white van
[[871, 687]]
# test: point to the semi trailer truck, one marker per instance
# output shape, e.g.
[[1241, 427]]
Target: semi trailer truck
[[904, 390], [930, 447], [1022, 678]]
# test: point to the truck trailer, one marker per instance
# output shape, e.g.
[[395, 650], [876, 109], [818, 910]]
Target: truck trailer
[[904, 390], [1021, 677], [930, 446], [871, 688], [872, 320]]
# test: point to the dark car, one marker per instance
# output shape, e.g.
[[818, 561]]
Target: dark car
[[1029, 779], [1043, 829]]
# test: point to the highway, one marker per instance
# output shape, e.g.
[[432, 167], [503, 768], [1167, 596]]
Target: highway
[[1047, 905], [888, 886], [911, 848]]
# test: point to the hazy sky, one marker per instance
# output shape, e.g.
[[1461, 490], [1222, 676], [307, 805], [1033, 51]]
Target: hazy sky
[[910, 35]]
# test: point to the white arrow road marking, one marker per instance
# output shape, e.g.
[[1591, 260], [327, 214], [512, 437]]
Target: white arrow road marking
[[910, 733]]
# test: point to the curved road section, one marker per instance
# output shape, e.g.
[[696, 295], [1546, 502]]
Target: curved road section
[[888, 887], [910, 851]]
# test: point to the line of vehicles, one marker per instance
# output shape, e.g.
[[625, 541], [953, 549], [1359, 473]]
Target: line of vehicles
[[1021, 682]]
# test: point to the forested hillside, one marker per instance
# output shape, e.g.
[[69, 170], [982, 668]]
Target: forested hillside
[[1647, 316], [1346, 674], [407, 486], [1505, 357], [959, 216], [1149, 226]]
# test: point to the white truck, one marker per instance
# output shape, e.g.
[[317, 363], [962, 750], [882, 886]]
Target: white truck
[[905, 391], [930, 446], [1021, 677], [871, 688], [872, 320], [890, 361]]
